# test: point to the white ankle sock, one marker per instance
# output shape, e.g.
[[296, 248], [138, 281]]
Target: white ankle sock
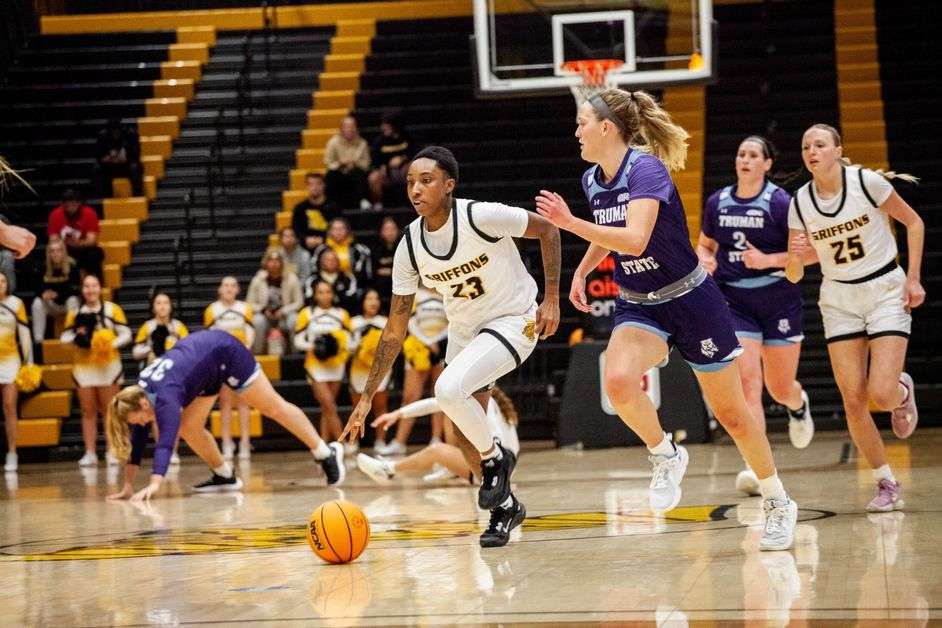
[[772, 487], [225, 470], [322, 451], [883, 473], [495, 454], [664, 448]]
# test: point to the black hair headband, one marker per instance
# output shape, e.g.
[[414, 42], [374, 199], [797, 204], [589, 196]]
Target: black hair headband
[[604, 111]]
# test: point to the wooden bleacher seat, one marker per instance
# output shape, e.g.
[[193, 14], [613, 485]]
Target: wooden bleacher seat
[[40, 432], [58, 376], [255, 424], [55, 352], [121, 188], [134, 207], [53, 403], [271, 365], [290, 198], [119, 229]]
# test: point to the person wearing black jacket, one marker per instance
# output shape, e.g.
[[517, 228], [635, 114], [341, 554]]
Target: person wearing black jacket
[[329, 271], [119, 155], [382, 259], [58, 288]]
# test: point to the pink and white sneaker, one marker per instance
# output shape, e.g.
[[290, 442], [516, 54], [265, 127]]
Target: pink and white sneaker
[[906, 415], [888, 497]]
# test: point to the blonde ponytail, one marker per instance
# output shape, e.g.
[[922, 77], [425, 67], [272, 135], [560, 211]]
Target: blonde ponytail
[[638, 116], [7, 173], [116, 419], [505, 405], [889, 175]]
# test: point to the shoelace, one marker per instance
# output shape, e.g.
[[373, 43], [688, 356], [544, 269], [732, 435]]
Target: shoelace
[[662, 468], [774, 520]]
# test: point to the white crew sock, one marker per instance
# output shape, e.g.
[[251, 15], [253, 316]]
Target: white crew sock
[[224, 470], [772, 487], [495, 454], [883, 473], [322, 451], [664, 448]]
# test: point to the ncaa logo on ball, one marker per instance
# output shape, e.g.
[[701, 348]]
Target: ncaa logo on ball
[[313, 536]]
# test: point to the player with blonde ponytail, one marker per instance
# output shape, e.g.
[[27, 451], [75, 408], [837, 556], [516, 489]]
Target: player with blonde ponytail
[[666, 296], [176, 392], [844, 214]]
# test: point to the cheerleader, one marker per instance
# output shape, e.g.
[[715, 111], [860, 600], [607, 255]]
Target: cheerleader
[[367, 329], [235, 317], [462, 463], [98, 329], [16, 349], [158, 335], [866, 298], [424, 352], [323, 331], [743, 244]]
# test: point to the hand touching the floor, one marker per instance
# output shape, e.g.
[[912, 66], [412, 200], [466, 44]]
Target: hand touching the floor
[[148, 491], [387, 420]]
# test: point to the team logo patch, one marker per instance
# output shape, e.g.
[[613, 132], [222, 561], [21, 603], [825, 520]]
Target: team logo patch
[[528, 331], [624, 196], [233, 382], [708, 347], [784, 326]]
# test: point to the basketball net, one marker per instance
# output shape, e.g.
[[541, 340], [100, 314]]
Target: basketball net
[[597, 76]]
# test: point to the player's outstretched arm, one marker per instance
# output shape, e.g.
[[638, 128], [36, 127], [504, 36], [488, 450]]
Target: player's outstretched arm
[[632, 239], [547, 315], [390, 343]]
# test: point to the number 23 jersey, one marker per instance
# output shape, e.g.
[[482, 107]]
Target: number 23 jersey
[[849, 231], [472, 261]]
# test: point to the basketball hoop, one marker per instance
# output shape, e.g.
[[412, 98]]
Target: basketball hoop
[[596, 76]]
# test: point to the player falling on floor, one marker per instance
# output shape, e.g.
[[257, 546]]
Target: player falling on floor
[[666, 297], [743, 244], [465, 250], [460, 463], [865, 297], [177, 391]]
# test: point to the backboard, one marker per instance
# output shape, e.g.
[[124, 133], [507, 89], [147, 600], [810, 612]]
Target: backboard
[[521, 46]]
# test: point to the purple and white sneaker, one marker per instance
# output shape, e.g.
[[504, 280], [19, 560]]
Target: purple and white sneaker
[[906, 415], [888, 497]]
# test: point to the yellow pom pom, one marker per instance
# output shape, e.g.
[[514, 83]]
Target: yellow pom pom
[[102, 345], [417, 354], [342, 354], [368, 345], [28, 378]]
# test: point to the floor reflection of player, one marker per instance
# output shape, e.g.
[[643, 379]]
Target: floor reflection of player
[[177, 392]]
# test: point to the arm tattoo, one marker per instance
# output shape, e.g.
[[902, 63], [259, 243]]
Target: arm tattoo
[[390, 343], [552, 255]]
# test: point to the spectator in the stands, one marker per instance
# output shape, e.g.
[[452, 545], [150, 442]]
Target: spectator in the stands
[[382, 257], [347, 157], [354, 257], [58, 288], [391, 152], [119, 155], [275, 297], [344, 284], [296, 257], [76, 224], [310, 217]]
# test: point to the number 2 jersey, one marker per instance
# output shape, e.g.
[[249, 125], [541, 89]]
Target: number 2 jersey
[[849, 232], [472, 261]]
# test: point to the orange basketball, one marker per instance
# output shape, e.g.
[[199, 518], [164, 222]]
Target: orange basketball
[[338, 531]]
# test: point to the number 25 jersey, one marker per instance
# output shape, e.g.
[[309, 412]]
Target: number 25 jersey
[[472, 261], [849, 232]]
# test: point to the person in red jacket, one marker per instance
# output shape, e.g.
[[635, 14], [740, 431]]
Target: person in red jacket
[[76, 224]]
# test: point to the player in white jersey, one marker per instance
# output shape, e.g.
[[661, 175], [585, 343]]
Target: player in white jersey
[[844, 213], [465, 250]]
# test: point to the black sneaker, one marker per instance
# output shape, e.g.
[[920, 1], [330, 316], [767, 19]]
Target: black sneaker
[[503, 520], [495, 479], [219, 484], [333, 465]]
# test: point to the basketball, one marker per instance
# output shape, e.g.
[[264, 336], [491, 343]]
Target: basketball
[[338, 531]]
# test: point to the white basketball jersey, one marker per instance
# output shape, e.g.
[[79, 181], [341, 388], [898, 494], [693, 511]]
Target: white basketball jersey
[[850, 233], [477, 270]]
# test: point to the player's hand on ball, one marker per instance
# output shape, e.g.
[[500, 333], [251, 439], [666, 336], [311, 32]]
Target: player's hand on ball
[[577, 294], [356, 424], [386, 420], [125, 493], [553, 207], [915, 294], [547, 318]]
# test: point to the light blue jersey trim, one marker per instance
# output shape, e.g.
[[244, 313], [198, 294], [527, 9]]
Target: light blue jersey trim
[[717, 366], [749, 335], [783, 342], [663, 335], [251, 378], [754, 282]]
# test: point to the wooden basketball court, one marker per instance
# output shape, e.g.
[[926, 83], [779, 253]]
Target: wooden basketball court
[[588, 552]]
